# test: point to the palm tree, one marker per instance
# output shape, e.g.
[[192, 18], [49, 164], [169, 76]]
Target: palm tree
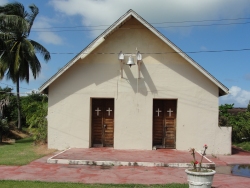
[[19, 57]]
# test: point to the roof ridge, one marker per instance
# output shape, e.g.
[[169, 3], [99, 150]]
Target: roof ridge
[[97, 41]]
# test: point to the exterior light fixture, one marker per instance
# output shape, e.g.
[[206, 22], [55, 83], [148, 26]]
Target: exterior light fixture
[[139, 56]]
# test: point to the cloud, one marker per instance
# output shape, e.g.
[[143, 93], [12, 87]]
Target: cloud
[[42, 24], [50, 38], [236, 95], [106, 12]]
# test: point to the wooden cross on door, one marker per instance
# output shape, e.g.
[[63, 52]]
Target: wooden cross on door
[[109, 110], [158, 111], [169, 112], [97, 110]]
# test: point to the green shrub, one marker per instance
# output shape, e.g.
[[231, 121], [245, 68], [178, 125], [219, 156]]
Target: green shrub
[[240, 126], [35, 108], [240, 123]]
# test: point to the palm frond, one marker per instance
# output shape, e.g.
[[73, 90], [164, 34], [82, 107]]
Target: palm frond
[[13, 46], [4, 59], [32, 16], [12, 23], [24, 71], [14, 9], [6, 37], [29, 61], [6, 66], [42, 50], [27, 47], [17, 58], [2, 46], [35, 66]]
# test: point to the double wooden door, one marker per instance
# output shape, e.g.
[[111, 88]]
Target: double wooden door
[[164, 123], [102, 122]]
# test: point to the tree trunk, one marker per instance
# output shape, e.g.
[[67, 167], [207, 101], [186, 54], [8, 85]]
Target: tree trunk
[[18, 105]]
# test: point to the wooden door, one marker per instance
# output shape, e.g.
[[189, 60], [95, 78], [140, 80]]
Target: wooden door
[[102, 122], [164, 123]]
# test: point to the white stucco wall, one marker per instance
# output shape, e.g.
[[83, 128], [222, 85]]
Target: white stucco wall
[[163, 76]]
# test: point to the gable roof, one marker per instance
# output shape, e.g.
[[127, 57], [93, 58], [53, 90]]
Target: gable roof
[[223, 90]]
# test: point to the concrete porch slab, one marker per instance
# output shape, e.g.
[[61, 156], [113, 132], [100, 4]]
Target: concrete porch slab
[[112, 157], [40, 170]]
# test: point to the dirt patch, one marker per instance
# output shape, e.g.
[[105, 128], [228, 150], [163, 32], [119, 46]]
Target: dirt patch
[[42, 149]]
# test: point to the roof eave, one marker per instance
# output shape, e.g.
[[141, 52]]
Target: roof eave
[[223, 89], [85, 52], [112, 28], [81, 55]]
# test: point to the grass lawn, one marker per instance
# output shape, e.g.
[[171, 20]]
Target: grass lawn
[[22, 152], [243, 145], [37, 184]]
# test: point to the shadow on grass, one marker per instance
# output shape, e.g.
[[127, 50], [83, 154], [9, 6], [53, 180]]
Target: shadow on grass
[[5, 143], [25, 140]]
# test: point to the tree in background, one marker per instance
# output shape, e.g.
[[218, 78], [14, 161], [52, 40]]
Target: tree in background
[[35, 108], [20, 52], [7, 22], [248, 107], [4, 103], [224, 115], [240, 123]]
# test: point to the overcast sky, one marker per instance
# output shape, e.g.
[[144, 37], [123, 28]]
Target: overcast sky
[[65, 27]]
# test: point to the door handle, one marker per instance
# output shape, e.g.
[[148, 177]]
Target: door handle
[[104, 126]]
